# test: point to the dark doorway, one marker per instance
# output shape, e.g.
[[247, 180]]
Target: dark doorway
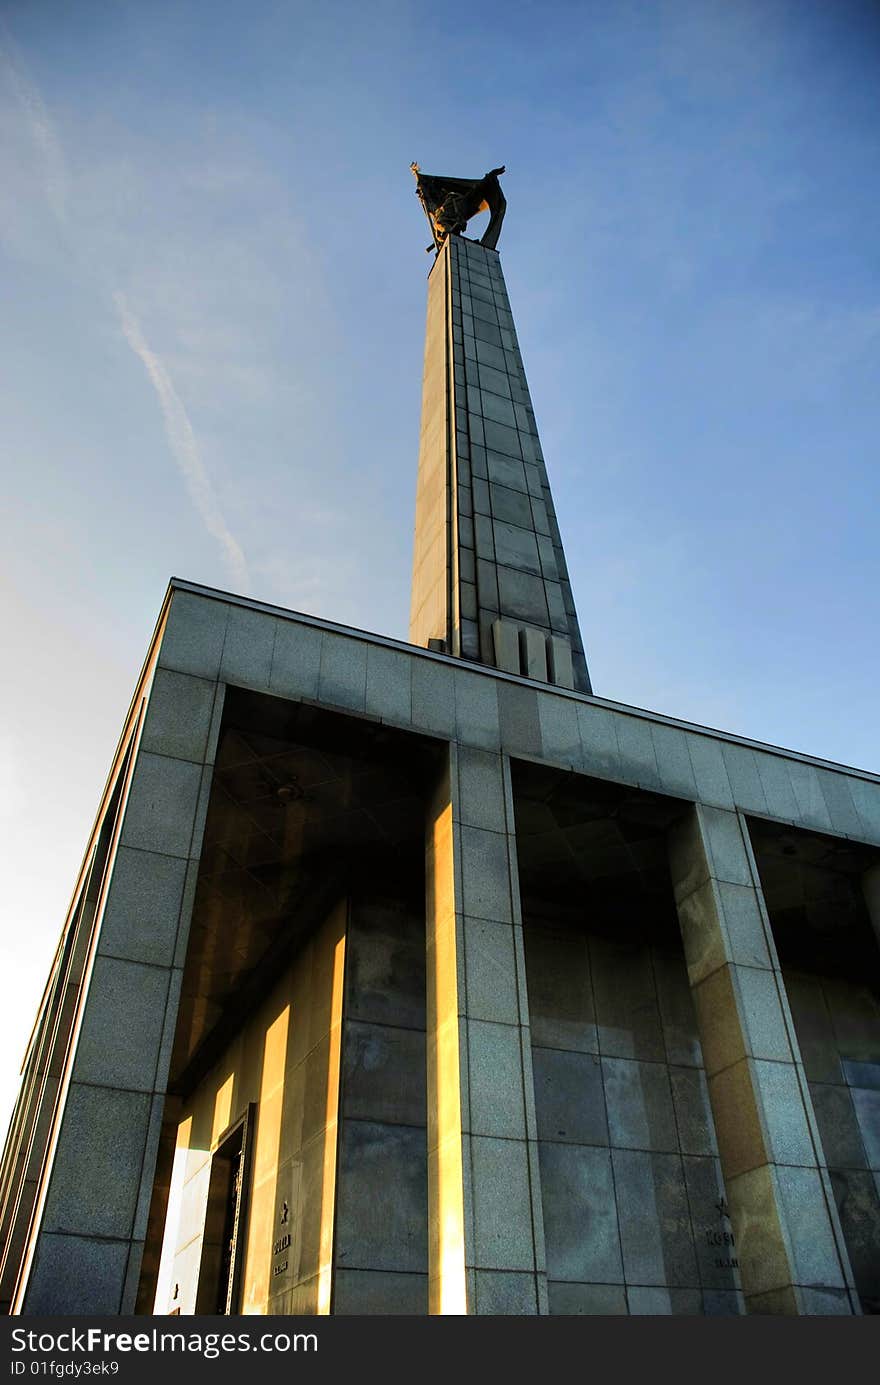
[[224, 1241]]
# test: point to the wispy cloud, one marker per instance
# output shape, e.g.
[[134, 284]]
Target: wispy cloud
[[179, 430], [39, 123], [183, 443]]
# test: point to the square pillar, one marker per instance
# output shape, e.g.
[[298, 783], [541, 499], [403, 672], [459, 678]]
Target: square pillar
[[91, 1223], [790, 1248], [485, 1227]]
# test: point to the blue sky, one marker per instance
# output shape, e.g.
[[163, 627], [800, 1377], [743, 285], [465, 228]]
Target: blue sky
[[213, 278]]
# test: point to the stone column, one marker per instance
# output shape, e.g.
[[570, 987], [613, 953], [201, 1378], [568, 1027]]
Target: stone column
[[790, 1248], [32, 1120], [486, 1243], [88, 1241]]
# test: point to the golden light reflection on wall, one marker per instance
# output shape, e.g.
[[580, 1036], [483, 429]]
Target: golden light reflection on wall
[[448, 1280], [165, 1282], [331, 1130], [286, 1059], [265, 1169], [222, 1109]]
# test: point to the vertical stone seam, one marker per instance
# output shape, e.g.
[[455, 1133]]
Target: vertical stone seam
[[533, 1167], [623, 1273], [675, 1121], [140, 1185]]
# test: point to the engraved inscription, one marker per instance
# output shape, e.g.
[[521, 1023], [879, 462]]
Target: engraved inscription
[[723, 1239]]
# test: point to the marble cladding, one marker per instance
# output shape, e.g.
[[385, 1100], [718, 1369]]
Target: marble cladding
[[502, 484], [837, 1020], [634, 1211], [381, 1257], [790, 1244], [502, 555]]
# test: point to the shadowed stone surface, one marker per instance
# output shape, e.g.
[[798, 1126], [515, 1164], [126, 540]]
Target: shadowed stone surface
[[569, 1102], [655, 1227], [141, 916], [77, 1275], [368, 1292], [384, 1074], [381, 1197], [587, 1300], [102, 1129], [580, 1220], [127, 1001]]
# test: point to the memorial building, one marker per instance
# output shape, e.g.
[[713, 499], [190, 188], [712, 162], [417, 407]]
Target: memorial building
[[414, 977]]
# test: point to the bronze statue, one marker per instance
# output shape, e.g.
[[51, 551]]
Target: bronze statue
[[449, 204]]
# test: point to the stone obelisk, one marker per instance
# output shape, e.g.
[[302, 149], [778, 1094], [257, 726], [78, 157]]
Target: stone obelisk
[[490, 581]]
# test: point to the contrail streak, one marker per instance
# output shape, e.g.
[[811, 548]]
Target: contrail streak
[[178, 428], [183, 443]]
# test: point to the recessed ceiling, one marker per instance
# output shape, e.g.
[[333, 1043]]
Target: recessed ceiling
[[303, 803]]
